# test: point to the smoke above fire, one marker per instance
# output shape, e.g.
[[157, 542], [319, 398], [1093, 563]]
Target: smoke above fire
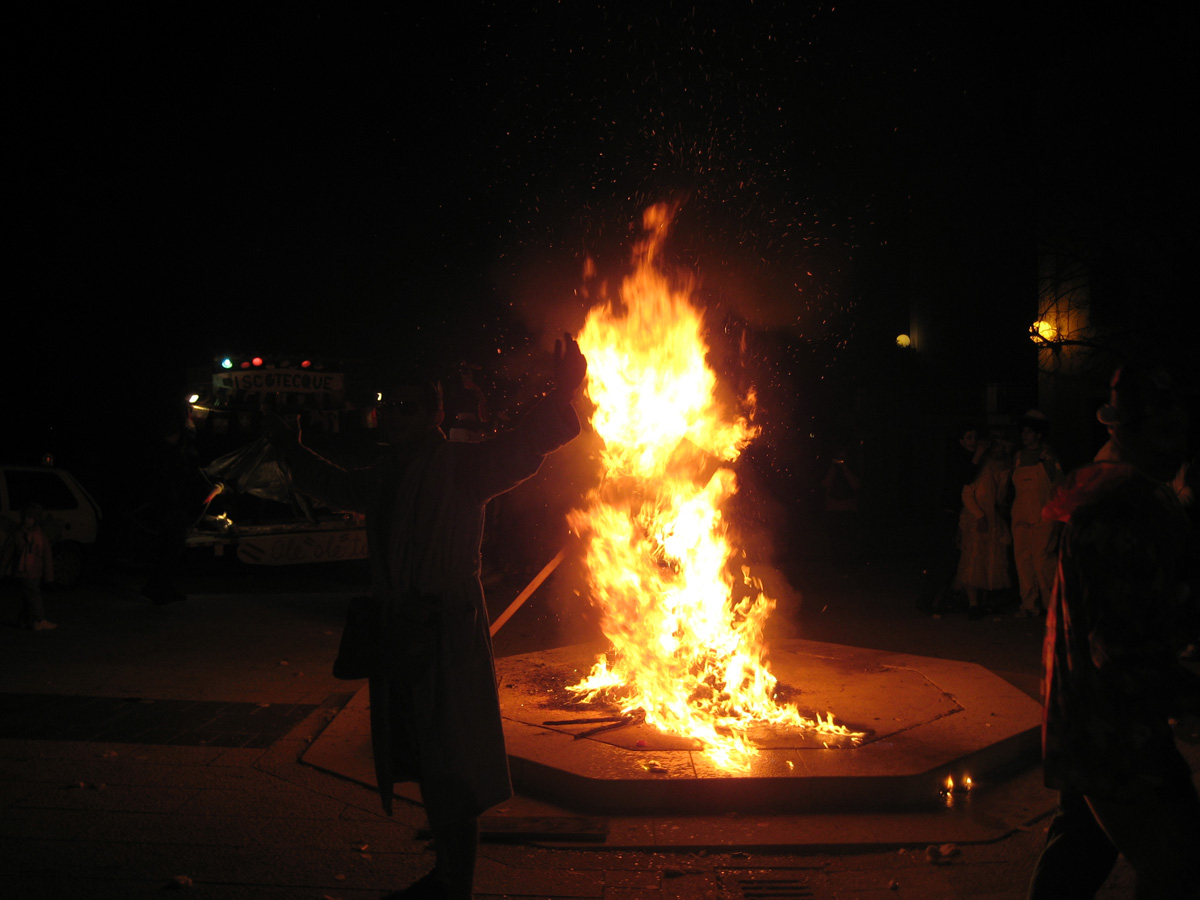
[[740, 122]]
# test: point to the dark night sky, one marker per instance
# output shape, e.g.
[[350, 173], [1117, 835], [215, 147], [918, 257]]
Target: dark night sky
[[385, 185]]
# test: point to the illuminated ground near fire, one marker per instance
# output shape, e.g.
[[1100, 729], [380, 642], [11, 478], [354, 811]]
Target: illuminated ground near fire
[[928, 719], [925, 719]]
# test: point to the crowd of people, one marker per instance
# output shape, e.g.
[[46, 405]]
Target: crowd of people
[[1000, 484], [1108, 554]]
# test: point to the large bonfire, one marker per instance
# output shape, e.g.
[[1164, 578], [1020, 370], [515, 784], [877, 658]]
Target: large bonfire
[[683, 613]]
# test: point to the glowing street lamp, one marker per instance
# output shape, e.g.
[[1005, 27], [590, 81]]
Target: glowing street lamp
[[1042, 332]]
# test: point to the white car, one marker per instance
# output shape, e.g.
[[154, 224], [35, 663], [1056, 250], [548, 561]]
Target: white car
[[71, 521]]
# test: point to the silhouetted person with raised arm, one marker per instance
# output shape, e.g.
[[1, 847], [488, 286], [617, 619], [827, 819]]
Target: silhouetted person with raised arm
[[435, 711]]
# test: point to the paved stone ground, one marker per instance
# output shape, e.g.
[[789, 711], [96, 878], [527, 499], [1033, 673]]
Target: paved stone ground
[[85, 816]]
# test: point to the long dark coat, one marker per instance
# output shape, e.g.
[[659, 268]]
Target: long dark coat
[[435, 711], [1112, 676]]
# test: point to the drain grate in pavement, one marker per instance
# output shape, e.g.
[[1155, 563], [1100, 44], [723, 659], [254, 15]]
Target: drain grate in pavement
[[764, 884], [762, 889], [132, 720]]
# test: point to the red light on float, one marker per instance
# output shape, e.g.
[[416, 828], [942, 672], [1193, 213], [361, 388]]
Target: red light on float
[[257, 361]]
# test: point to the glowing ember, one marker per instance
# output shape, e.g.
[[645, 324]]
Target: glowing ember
[[685, 622]]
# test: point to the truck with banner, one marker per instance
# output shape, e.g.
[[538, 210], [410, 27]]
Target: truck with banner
[[251, 511]]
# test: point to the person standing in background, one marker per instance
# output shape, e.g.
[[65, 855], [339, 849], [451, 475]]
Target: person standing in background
[[31, 559], [1036, 470]]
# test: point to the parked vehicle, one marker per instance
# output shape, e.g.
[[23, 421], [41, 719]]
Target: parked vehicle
[[71, 521], [328, 538], [254, 514]]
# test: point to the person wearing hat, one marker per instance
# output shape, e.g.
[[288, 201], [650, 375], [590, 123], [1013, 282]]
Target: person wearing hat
[[435, 711], [1112, 679], [1036, 469]]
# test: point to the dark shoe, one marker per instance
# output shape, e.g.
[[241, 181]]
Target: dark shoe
[[975, 613]]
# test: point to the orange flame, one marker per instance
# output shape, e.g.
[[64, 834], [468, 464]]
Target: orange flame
[[685, 624]]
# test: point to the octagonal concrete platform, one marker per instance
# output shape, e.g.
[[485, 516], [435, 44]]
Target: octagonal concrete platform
[[924, 719]]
